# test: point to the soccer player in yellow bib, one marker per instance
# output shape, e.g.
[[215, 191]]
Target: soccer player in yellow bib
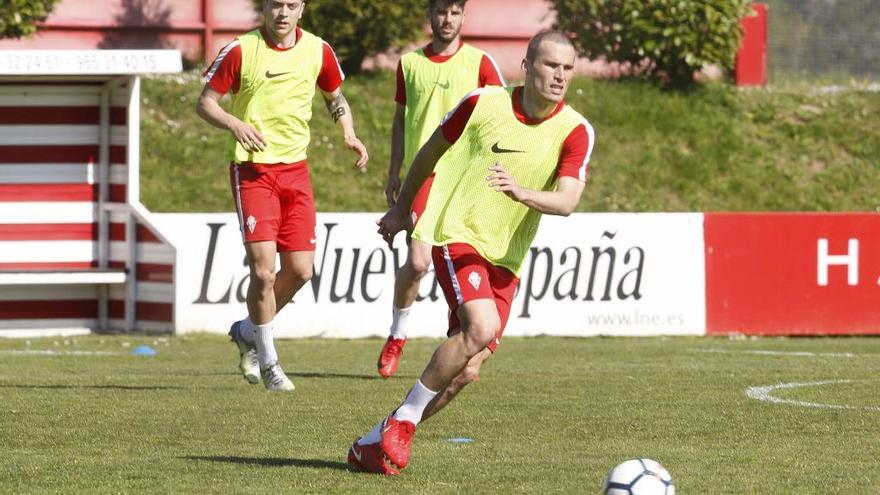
[[430, 82], [509, 156], [272, 73]]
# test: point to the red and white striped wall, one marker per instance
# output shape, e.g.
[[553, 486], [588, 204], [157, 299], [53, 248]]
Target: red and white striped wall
[[69, 209]]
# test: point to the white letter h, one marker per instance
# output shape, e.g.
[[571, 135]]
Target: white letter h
[[851, 260]]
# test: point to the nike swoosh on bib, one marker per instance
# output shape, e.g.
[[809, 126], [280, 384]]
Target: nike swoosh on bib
[[497, 149], [270, 75]]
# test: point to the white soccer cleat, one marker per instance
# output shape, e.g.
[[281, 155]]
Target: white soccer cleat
[[275, 380], [247, 355]]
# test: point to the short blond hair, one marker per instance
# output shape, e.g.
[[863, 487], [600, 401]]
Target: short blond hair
[[549, 35]]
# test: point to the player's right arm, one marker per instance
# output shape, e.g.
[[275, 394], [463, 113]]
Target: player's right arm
[[209, 109], [398, 217], [422, 166], [392, 187], [221, 77]]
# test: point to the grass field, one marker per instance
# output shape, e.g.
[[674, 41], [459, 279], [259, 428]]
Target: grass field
[[550, 415]]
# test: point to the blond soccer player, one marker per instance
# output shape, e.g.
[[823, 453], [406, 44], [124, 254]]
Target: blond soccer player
[[272, 73], [510, 155]]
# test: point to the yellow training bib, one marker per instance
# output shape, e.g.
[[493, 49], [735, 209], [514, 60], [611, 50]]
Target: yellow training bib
[[275, 96], [463, 208]]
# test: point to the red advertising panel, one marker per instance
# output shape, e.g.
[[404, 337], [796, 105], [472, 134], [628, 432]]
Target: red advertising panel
[[792, 273]]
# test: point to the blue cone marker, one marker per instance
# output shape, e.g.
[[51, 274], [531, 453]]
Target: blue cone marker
[[143, 350], [460, 440]]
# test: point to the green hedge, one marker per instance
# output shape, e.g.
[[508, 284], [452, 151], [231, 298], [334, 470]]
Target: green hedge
[[675, 38], [357, 29], [19, 17]]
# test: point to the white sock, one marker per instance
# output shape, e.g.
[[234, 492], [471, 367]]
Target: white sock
[[414, 405], [399, 322], [246, 330], [374, 436], [265, 345]]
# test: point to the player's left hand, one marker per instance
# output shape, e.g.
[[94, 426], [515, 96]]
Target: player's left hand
[[501, 181], [393, 222], [358, 147]]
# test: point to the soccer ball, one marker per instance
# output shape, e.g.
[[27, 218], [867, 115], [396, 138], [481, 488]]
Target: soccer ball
[[639, 477]]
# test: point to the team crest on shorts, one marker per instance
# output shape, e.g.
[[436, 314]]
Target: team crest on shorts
[[251, 223], [474, 278]]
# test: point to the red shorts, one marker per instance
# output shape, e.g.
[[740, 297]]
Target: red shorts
[[464, 275], [275, 203], [421, 200]]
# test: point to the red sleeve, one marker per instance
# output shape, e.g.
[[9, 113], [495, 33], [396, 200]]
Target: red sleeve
[[574, 158], [331, 76], [224, 75], [455, 121], [490, 75], [400, 96]]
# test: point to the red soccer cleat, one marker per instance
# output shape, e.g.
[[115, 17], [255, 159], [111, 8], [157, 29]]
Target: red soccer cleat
[[389, 358], [397, 437], [369, 458]]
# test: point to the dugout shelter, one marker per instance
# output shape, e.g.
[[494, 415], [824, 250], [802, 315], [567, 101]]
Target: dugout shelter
[[78, 252]]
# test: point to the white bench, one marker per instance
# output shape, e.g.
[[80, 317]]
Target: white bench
[[96, 276]]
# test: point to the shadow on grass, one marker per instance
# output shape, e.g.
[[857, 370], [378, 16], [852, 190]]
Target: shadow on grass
[[94, 387], [205, 373], [303, 374], [353, 376], [272, 461]]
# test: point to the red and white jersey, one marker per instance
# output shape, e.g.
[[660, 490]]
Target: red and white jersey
[[489, 74], [574, 157], [224, 74]]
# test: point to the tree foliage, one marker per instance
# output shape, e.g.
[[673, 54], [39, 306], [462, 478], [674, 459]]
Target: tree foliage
[[19, 17], [672, 39], [357, 29]]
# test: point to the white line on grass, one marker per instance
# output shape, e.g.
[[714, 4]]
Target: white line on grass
[[50, 352], [765, 393], [781, 353]]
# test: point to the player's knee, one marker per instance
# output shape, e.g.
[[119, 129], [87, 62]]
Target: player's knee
[[469, 374], [420, 263], [263, 278], [480, 333], [458, 383], [303, 273]]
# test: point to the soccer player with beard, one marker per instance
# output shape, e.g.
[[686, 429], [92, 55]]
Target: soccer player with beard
[[272, 73], [430, 82], [509, 156]]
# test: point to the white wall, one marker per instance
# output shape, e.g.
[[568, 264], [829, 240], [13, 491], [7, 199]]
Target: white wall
[[656, 278]]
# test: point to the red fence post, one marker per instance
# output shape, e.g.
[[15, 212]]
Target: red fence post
[[751, 60], [208, 20]]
